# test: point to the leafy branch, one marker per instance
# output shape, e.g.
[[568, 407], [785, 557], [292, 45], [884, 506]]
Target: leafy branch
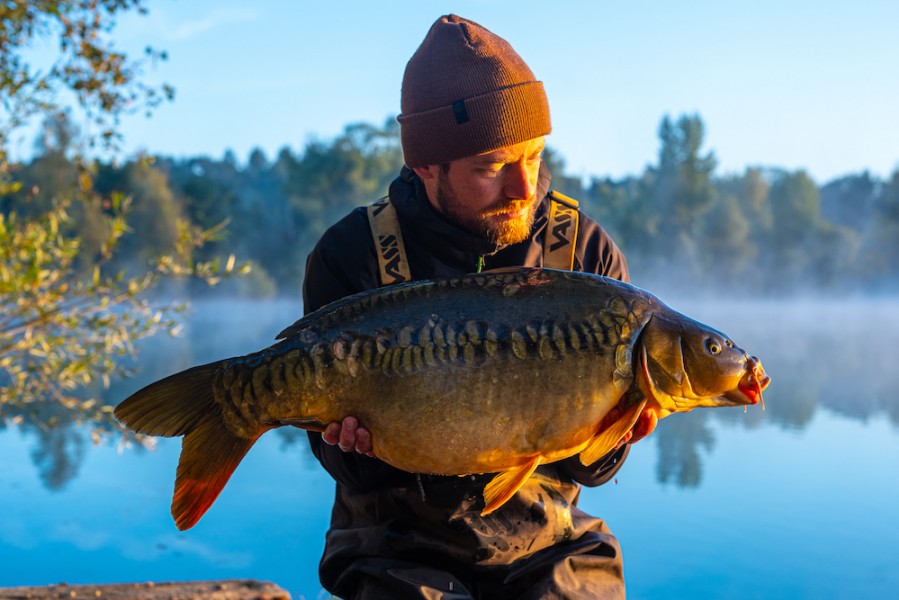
[[106, 82], [62, 330]]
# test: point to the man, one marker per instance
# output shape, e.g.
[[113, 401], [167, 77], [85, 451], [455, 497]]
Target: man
[[473, 195]]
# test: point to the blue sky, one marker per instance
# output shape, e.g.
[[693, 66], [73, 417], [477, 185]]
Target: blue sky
[[796, 84]]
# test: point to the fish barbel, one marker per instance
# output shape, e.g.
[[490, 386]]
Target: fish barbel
[[494, 372]]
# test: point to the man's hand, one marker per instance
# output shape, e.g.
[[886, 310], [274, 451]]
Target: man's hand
[[646, 424], [348, 436]]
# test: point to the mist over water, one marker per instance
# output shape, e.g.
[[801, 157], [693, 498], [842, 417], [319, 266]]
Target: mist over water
[[835, 354], [755, 484]]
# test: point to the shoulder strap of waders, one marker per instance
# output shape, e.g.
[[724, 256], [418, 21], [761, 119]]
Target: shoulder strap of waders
[[561, 232], [389, 248]]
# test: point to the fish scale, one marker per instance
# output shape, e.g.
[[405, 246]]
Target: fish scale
[[489, 373]]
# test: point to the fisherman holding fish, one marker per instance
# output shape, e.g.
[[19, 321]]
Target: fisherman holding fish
[[461, 410], [473, 196]]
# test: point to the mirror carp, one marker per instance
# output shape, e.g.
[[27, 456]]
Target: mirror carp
[[495, 372]]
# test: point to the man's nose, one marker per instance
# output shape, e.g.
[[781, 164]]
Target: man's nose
[[519, 181]]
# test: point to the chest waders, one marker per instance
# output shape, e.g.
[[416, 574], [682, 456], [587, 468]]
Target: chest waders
[[558, 240]]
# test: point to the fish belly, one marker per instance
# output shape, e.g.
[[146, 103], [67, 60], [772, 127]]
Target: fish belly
[[473, 376], [455, 420]]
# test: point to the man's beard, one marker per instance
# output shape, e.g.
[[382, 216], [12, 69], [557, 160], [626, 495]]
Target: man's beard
[[503, 232]]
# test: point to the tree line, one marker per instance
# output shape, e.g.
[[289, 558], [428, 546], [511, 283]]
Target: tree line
[[765, 231], [681, 225]]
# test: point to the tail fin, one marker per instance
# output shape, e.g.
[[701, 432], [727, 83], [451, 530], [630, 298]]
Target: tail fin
[[182, 404], [171, 406], [209, 455]]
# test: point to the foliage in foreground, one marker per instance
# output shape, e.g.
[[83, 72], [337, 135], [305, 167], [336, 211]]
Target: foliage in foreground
[[63, 331], [68, 311]]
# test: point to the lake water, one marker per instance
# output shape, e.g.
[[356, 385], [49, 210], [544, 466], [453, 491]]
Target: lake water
[[798, 501]]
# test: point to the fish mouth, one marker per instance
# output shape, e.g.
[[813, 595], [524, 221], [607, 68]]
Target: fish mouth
[[751, 384]]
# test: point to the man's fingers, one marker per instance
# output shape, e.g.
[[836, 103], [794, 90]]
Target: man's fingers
[[348, 436], [363, 441], [331, 433], [347, 441]]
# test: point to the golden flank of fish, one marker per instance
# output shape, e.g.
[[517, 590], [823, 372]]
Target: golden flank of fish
[[490, 373]]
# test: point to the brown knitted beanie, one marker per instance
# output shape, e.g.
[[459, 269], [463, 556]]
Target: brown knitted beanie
[[465, 92]]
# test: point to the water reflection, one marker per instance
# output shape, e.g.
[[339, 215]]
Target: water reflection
[[680, 441], [841, 357], [58, 454], [215, 330]]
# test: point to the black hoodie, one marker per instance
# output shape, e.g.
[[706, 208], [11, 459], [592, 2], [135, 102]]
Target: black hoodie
[[386, 513]]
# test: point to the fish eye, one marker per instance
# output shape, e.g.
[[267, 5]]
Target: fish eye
[[712, 346]]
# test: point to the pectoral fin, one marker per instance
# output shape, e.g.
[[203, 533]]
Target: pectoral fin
[[503, 486], [608, 436]]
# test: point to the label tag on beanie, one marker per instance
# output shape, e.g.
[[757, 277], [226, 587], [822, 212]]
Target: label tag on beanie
[[460, 111]]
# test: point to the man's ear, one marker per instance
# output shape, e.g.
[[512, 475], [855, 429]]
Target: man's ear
[[426, 173]]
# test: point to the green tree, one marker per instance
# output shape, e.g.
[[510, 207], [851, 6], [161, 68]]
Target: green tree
[[803, 248], [251, 201], [752, 189], [726, 248], [154, 215], [852, 201], [734, 230], [796, 215], [570, 186], [625, 209], [331, 178], [55, 173], [105, 82], [684, 175], [682, 192], [65, 315], [878, 252], [60, 332], [353, 169]]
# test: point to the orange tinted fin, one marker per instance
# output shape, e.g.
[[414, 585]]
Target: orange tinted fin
[[209, 455], [606, 439], [183, 404], [503, 486]]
